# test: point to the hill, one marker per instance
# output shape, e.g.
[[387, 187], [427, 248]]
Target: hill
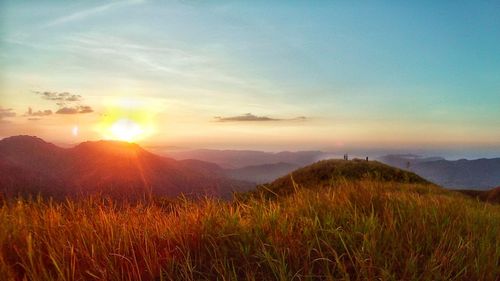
[[329, 172], [458, 174], [30, 165]]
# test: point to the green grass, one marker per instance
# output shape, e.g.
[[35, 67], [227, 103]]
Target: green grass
[[350, 230]]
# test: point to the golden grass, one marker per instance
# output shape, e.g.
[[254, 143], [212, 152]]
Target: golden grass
[[351, 231]]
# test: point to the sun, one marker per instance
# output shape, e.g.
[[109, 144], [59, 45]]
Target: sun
[[130, 122], [126, 130]]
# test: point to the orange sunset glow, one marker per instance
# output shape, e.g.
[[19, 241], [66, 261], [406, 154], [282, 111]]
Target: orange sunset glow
[[188, 140], [126, 120]]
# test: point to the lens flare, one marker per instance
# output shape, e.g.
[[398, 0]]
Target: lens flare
[[74, 131]]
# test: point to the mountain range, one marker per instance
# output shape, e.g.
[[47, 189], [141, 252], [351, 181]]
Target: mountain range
[[456, 174], [254, 166], [262, 167], [29, 165], [261, 173], [235, 159]]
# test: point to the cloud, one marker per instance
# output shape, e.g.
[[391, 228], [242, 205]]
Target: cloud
[[6, 113], [75, 110], [68, 103], [82, 14], [60, 97], [67, 110], [245, 117], [251, 117], [85, 109], [38, 113]]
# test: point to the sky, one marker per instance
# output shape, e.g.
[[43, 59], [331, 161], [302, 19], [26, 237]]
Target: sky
[[269, 75]]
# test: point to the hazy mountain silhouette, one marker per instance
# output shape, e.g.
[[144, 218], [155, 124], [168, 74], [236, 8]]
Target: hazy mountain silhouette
[[472, 174], [31, 165], [402, 160], [235, 159], [261, 173], [260, 166]]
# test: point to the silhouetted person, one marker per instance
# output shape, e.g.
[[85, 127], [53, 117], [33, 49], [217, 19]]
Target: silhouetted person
[[366, 158], [408, 165]]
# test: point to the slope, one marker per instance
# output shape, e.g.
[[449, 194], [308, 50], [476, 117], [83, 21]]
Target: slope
[[329, 172]]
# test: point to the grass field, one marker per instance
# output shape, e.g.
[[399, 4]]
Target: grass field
[[358, 230]]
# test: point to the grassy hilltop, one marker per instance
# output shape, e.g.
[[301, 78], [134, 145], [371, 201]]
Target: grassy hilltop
[[335, 220], [330, 173]]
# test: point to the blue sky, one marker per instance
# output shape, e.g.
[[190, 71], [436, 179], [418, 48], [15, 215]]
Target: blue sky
[[366, 74]]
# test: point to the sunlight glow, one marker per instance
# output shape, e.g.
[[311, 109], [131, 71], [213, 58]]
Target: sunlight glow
[[126, 130], [126, 121]]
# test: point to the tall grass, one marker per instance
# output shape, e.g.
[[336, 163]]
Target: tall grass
[[352, 231]]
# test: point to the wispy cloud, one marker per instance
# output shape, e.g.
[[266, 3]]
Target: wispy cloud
[[68, 103], [82, 14], [249, 117], [38, 113], [155, 57], [75, 110], [55, 96], [6, 113]]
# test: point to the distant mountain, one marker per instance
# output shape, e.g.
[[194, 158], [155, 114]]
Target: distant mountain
[[234, 159], [472, 174], [261, 173], [404, 160], [31, 165], [326, 172]]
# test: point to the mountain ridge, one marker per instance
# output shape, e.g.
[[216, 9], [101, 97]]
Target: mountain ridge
[[480, 174], [31, 165], [235, 159]]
